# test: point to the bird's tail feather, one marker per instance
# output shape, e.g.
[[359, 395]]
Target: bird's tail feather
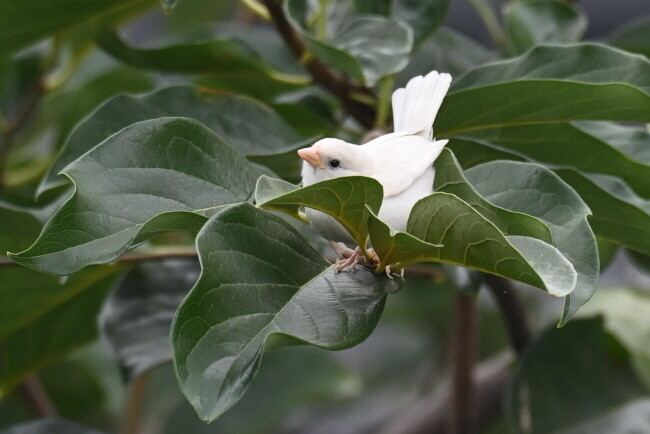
[[415, 106]]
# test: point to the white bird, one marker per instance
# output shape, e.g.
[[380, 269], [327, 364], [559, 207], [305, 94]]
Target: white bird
[[401, 161]]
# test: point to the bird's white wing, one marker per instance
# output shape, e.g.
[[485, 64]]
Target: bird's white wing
[[398, 159], [415, 106]]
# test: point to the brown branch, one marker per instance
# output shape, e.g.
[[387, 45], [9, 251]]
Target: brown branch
[[429, 413], [134, 408], [36, 397], [462, 417], [320, 73], [14, 125], [512, 311]]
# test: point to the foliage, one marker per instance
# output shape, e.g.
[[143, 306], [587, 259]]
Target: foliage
[[150, 195]]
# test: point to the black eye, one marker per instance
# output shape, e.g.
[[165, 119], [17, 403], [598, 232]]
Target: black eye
[[334, 164]]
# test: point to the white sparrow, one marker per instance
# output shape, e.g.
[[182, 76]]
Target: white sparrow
[[401, 161]]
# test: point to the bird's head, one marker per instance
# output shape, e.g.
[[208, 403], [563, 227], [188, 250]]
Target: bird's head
[[330, 158]]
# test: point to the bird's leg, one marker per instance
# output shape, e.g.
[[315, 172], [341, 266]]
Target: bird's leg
[[347, 256]]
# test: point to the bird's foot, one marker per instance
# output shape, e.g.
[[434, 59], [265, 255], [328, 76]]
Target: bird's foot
[[349, 260], [389, 272]]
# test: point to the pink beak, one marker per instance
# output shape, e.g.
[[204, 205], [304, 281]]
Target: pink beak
[[311, 156]]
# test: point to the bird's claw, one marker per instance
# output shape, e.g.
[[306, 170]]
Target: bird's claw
[[350, 261]]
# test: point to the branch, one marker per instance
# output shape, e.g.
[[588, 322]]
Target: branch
[[320, 73], [135, 404], [15, 124], [421, 417], [463, 415], [37, 398], [512, 310]]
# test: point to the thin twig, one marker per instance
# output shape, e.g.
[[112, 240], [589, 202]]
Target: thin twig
[[463, 414], [36, 397], [512, 311], [135, 403], [14, 125], [321, 74]]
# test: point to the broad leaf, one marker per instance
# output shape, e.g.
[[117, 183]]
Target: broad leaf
[[240, 121], [365, 47], [626, 315], [603, 84], [55, 333], [534, 190], [630, 418], [137, 316], [448, 51], [228, 65], [350, 200], [569, 377], [157, 175], [619, 215], [634, 37], [22, 25], [597, 147], [543, 22], [424, 16], [17, 227], [50, 426], [262, 283]]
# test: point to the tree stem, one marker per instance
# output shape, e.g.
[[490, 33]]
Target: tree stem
[[463, 415], [485, 12], [135, 404], [37, 398], [342, 89], [512, 311]]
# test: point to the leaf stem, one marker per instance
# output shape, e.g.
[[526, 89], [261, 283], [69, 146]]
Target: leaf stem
[[36, 397], [485, 12], [383, 105], [135, 403], [512, 310], [463, 417]]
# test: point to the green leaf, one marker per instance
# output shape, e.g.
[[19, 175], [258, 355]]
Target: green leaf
[[60, 330], [534, 190], [168, 5], [424, 16], [157, 175], [228, 65], [470, 240], [365, 47], [137, 316], [629, 418], [619, 215], [569, 377], [448, 51], [543, 22], [625, 315], [17, 228], [634, 37], [261, 282], [590, 146], [549, 84], [50, 426], [349, 199], [240, 121], [22, 25]]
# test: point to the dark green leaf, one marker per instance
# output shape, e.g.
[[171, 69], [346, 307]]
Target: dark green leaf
[[168, 5], [448, 51], [23, 24], [366, 47], [157, 175], [534, 190], [228, 64], [634, 37], [630, 418], [17, 228], [567, 377], [619, 215], [350, 200], [597, 147], [247, 125], [62, 329], [625, 315], [137, 316], [261, 282], [424, 16], [50, 426], [543, 22], [603, 84]]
